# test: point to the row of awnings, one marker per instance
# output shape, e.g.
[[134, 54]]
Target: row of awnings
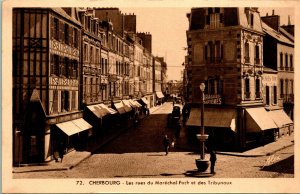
[[100, 110], [257, 119]]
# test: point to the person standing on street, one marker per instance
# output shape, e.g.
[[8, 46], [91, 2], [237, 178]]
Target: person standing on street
[[213, 158], [166, 143]]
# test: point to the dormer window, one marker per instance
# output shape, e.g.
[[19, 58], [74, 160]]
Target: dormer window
[[214, 17]]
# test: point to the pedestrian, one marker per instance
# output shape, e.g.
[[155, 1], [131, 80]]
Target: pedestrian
[[213, 158], [166, 143]]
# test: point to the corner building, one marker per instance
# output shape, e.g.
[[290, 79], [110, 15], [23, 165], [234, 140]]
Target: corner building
[[225, 51]]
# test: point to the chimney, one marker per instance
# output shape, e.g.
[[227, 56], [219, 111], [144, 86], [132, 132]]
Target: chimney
[[289, 20], [273, 20]]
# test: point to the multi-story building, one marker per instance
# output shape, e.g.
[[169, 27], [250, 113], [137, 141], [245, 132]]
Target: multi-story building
[[279, 56], [46, 77], [69, 65], [225, 51]]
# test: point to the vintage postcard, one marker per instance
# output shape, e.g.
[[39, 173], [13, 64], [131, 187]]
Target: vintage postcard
[[149, 96]]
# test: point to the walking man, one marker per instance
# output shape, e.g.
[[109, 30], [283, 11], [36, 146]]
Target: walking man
[[213, 158], [166, 143]]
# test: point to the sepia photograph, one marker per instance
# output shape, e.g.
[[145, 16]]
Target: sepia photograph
[[155, 96]]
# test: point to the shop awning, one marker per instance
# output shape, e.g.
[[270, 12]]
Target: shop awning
[[110, 110], [213, 117], [280, 118], [145, 100], [159, 95], [134, 103], [74, 126], [98, 110], [120, 107], [258, 119], [127, 105]]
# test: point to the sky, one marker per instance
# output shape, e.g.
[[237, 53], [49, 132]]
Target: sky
[[168, 27]]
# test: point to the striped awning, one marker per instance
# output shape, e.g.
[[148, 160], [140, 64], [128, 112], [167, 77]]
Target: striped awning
[[74, 126]]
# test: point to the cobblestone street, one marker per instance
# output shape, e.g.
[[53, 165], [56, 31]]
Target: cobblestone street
[[138, 153]]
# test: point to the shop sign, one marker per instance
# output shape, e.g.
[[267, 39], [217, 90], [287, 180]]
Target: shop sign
[[212, 99]]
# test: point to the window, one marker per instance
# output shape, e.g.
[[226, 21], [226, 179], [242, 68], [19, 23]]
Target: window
[[292, 87], [281, 88], [64, 101], [291, 63], [55, 65], [56, 29], [91, 54], [251, 19], [247, 88], [257, 88], [246, 53], [275, 94], [267, 95], [257, 55], [66, 33], [75, 38], [86, 52], [74, 69], [281, 61], [214, 17], [286, 61]]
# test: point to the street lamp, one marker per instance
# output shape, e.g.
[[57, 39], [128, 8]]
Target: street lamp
[[201, 163]]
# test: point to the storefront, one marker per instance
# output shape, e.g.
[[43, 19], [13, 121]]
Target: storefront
[[71, 134], [220, 125], [283, 122], [260, 127], [95, 114]]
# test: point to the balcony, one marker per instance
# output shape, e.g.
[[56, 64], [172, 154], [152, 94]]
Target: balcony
[[281, 68]]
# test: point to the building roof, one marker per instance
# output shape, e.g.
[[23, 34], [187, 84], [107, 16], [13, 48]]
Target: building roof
[[62, 12], [275, 34]]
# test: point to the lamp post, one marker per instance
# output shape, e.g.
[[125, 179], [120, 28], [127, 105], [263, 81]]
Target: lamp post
[[201, 163]]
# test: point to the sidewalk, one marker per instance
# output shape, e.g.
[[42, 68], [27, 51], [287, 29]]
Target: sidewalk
[[74, 158]]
